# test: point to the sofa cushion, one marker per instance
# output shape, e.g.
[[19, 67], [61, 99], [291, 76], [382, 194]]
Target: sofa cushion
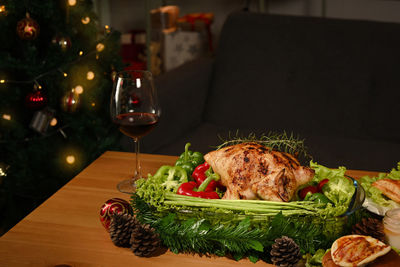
[[331, 151], [303, 74]]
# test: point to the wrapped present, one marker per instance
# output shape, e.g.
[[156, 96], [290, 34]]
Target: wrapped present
[[200, 22], [164, 17], [133, 45], [179, 47]]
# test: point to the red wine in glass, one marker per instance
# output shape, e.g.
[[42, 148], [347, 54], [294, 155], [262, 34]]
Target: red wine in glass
[[136, 124], [134, 108]]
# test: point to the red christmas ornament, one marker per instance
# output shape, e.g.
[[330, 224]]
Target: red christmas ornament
[[111, 207], [36, 99], [27, 28], [70, 102]]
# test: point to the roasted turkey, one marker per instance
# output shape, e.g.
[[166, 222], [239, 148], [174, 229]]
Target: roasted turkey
[[253, 171]]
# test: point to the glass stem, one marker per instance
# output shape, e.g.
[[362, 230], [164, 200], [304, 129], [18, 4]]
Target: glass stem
[[138, 171]]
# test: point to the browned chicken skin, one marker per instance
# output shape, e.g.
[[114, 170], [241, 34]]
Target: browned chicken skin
[[253, 171]]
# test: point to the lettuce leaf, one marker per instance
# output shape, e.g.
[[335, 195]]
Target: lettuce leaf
[[339, 189], [374, 193], [322, 172]]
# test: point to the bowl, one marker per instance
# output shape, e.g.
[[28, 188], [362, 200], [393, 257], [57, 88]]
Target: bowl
[[358, 198]]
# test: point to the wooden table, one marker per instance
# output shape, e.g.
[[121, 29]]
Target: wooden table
[[66, 231]]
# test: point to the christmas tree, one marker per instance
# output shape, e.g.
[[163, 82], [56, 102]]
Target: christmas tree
[[56, 70]]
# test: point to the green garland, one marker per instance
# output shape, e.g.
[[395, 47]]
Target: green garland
[[245, 238]]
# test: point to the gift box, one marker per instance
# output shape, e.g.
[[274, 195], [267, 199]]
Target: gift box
[[164, 17], [179, 47], [199, 22], [133, 46]]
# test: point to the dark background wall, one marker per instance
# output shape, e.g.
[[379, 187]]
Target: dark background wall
[[125, 15]]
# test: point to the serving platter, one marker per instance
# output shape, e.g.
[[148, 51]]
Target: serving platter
[[184, 222]]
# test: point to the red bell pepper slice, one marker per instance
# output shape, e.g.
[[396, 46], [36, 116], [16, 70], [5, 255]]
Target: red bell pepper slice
[[189, 189], [199, 175]]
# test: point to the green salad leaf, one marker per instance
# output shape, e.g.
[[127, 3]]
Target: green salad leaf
[[339, 190], [374, 193], [316, 259], [322, 172]]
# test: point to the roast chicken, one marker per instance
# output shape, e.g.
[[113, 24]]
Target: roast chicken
[[253, 171]]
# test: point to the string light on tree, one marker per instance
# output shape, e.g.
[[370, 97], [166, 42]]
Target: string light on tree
[[78, 89], [81, 53], [3, 169], [6, 117], [3, 10], [53, 122], [100, 47], [71, 2], [70, 159], [85, 20], [63, 73], [2, 81], [107, 29], [90, 75]]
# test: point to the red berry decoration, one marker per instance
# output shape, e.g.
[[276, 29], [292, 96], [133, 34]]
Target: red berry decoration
[[111, 207], [27, 28], [36, 99]]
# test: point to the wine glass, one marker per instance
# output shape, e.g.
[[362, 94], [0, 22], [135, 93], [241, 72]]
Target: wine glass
[[135, 109]]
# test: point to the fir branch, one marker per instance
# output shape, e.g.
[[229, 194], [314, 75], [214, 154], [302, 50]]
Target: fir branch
[[283, 141], [247, 237]]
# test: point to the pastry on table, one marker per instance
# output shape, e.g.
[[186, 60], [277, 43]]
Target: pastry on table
[[356, 250]]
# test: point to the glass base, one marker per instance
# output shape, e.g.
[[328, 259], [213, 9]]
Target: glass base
[[127, 186]]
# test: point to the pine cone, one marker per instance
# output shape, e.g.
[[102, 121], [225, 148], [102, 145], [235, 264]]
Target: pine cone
[[285, 252], [144, 240], [371, 227], [120, 229]]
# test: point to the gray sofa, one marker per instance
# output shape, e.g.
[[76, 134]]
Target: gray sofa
[[334, 83]]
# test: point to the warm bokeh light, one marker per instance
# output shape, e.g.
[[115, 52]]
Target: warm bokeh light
[[65, 74], [53, 122], [100, 47], [78, 89], [2, 81], [85, 20], [80, 53], [71, 2], [93, 104], [37, 86], [107, 29], [90, 75], [2, 9], [70, 159], [6, 117]]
